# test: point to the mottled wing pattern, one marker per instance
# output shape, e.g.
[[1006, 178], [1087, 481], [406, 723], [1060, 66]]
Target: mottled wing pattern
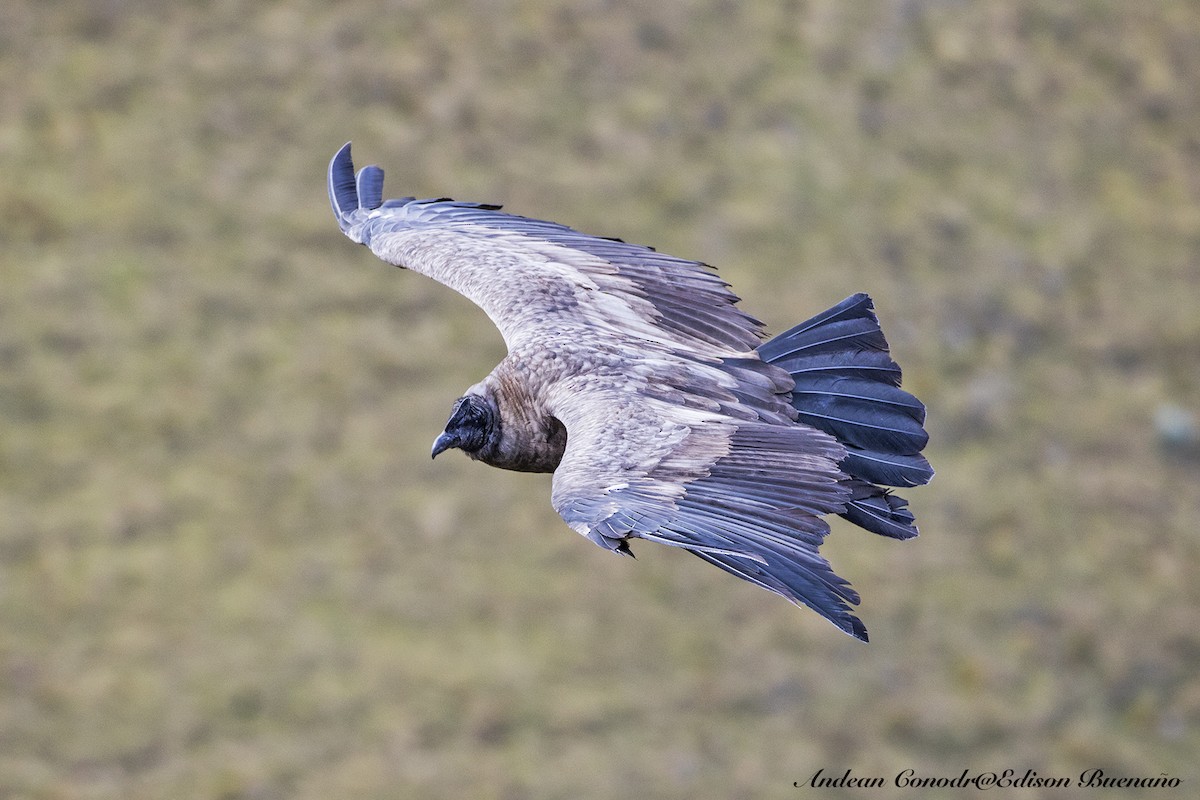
[[529, 275], [745, 495]]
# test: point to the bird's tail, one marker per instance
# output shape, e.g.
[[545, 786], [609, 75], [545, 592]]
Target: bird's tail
[[848, 386]]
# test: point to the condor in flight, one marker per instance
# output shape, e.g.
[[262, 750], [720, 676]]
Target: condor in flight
[[634, 377]]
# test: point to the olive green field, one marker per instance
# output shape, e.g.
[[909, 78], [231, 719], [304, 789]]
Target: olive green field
[[230, 570]]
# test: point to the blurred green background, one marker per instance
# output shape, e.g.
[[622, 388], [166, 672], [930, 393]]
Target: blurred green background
[[228, 568]]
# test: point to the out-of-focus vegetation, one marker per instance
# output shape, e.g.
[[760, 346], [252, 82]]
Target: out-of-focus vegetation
[[228, 568]]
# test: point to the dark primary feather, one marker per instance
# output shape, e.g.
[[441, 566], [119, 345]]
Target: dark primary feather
[[681, 426], [343, 193], [369, 185], [782, 577]]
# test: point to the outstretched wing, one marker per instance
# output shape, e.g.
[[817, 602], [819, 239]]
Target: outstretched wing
[[677, 432], [530, 275], [745, 495]]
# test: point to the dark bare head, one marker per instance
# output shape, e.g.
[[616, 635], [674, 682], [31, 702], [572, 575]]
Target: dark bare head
[[488, 426], [472, 427]]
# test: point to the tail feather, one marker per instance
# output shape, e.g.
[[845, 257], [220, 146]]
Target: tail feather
[[850, 325], [871, 365], [848, 386], [887, 469], [873, 416]]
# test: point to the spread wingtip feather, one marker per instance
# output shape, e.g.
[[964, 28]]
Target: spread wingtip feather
[[370, 187], [343, 189]]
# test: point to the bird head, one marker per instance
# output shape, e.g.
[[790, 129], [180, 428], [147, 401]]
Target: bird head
[[471, 425]]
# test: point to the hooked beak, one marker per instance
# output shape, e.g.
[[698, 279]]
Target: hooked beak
[[443, 442]]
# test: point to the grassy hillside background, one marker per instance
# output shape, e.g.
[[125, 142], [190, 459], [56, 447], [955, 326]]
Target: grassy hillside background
[[228, 568]]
